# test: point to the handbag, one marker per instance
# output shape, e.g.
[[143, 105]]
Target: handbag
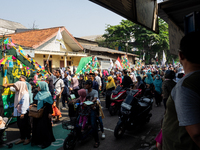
[[33, 112]]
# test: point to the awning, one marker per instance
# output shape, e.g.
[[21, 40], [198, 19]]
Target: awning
[[103, 57], [176, 10], [107, 50], [60, 53], [143, 12]]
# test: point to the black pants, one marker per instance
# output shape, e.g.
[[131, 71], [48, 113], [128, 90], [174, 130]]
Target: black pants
[[93, 116], [158, 98], [24, 126], [64, 98]]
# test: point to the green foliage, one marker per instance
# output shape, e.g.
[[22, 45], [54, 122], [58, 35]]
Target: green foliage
[[146, 41]]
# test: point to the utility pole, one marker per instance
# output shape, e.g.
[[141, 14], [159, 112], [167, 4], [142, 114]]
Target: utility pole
[[126, 48]]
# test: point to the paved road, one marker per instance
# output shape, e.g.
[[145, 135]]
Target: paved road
[[135, 140]]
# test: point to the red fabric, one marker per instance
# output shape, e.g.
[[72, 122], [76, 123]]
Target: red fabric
[[56, 111], [159, 137], [120, 80], [118, 59]]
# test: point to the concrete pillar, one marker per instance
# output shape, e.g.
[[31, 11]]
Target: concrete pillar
[[65, 61]]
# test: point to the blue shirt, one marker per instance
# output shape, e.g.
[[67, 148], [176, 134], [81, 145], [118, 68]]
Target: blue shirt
[[95, 85]]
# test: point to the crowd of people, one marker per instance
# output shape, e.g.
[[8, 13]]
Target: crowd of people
[[67, 88], [170, 85]]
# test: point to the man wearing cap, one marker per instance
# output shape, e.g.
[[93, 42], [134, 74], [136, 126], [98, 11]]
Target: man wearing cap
[[93, 94]]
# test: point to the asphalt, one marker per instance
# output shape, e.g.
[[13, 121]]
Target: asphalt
[[140, 139]]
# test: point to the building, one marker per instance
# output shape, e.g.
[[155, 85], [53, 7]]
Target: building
[[40, 45], [91, 48], [9, 27]]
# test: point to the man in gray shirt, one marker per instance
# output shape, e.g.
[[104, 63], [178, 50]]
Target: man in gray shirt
[[181, 125]]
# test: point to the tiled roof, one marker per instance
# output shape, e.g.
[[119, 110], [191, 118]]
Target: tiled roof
[[104, 49], [6, 24], [35, 38]]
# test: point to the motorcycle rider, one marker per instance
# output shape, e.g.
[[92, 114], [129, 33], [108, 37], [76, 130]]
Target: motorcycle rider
[[126, 82], [93, 94]]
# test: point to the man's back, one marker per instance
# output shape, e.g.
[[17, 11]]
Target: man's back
[[183, 109], [126, 82]]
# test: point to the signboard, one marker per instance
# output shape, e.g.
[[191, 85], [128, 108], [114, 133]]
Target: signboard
[[30, 52], [105, 65], [175, 36]]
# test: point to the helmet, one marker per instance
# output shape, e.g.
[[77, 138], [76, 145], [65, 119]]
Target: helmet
[[169, 74]]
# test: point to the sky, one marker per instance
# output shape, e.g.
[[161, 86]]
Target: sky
[[80, 17]]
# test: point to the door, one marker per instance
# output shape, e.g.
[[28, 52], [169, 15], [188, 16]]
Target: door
[[68, 63], [61, 63], [50, 64]]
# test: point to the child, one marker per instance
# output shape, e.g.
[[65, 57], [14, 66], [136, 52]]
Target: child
[[2, 122], [84, 110]]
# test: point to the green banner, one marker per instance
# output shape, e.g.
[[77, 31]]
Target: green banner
[[83, 62]]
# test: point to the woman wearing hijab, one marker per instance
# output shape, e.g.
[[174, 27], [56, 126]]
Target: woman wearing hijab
[[109, 87], [149, 80], [74, 87], [140, 84], [21, 105], [42, 133], [158, 89]]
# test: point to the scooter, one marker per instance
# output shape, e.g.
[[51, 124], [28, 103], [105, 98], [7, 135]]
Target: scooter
[[135, 112], [117, 97], [75, 134]]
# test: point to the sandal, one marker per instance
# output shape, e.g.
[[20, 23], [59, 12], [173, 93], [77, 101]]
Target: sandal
[[96, 145]]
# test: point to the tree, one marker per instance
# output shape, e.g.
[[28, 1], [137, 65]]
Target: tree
[[137, 36]]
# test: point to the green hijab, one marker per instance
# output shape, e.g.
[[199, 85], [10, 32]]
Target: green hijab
[[43, 96]]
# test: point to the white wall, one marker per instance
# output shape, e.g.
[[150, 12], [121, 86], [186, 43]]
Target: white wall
[[6, 31], [52, 46]]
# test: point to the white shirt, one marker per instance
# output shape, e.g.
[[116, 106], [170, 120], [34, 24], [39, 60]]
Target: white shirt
[[59, 85], [24, 102], [98, 79]]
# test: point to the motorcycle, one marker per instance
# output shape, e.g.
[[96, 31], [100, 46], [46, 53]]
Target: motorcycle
[[135, 112], [75, 134], [117, 97]]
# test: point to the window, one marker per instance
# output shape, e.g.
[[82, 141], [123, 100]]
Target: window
[[61, 57], [43, 56], [50, 56]]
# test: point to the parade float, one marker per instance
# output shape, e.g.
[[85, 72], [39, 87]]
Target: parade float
[[14, 63]]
